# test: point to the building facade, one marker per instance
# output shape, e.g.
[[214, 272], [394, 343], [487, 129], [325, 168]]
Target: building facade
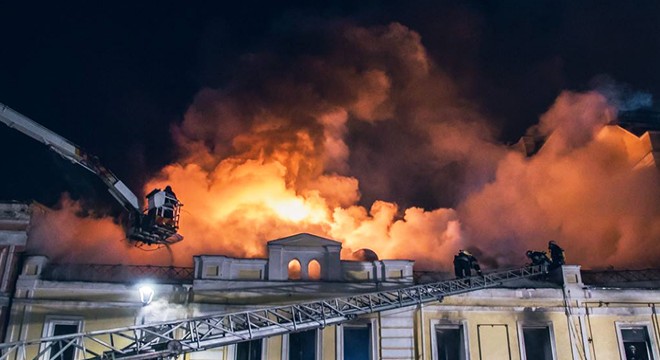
[[569, 315]]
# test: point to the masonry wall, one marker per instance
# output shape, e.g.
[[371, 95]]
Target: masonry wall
[[492, 320], [14, 221]]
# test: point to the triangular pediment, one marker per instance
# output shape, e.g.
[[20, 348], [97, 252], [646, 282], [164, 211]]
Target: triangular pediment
[[304, 239]]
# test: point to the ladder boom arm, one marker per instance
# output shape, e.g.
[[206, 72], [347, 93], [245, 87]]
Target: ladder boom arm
[[71, 152]]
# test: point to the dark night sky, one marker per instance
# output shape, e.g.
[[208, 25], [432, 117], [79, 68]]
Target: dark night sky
[[112, 78]]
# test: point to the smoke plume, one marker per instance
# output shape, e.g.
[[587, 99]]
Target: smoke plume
[[584, 188], [361, 138], [70, 234]]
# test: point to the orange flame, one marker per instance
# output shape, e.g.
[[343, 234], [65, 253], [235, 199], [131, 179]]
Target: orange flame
[[256, 167]]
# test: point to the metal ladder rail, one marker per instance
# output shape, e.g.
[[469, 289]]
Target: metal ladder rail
[[176, 337]]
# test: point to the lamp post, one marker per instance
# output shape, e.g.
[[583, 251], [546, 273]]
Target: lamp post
[[146, 294]]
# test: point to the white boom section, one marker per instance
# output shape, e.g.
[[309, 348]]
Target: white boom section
[[69, 151], [172, 338]]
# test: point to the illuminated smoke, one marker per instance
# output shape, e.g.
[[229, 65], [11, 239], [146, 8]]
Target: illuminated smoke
[[329, 142], [583, 189], [285, 157], [162, 310], [66, 234]]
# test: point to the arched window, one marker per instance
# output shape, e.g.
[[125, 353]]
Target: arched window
[[314, 270], [294, 269]]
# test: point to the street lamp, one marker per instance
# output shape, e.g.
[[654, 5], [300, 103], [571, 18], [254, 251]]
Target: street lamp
[[146, 294]]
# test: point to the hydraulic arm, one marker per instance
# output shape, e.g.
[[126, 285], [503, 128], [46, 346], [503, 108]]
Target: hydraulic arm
[[143, 227]]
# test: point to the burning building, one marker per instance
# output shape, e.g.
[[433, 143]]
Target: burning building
[[54, 288], [238, 296], [368, 145], [569, 314]]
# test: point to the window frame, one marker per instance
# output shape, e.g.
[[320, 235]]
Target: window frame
[[50, 322], [373, 337], [624, 325], [460, 325], [319, 344], [536, 324], [264, 347]]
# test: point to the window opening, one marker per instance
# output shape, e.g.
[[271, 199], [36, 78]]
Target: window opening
[[636, 343], [61, 350], [450, 342], [302, 345], [249, 350], [314, 270], [537, 343], [357, 342], [294, 269]]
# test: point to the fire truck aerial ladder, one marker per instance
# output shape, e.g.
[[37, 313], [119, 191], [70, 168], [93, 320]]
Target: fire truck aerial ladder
[[157, 225], [172, 338]]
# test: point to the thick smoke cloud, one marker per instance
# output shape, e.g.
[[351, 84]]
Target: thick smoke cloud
[[357, 135], [70, 234], [373, 90], [584, 188], [296, 151]]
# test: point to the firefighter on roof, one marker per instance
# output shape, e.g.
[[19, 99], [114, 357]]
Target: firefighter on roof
[[464, 262], [538, 257], [556, 254]]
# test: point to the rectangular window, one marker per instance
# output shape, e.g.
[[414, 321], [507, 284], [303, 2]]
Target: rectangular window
[[212, 271], [450, 342], [357, 342], [636, 343], [395, 274], [536, 340], [302, 345], [249, 350], [63, 349], [249, 274]]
